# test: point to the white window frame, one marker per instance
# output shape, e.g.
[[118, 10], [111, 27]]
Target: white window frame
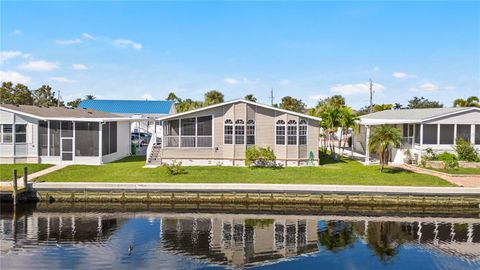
[[303, 124], [239, 123], [251, 123], [292, 123], [16, 133], [229, 123], [281, 123]]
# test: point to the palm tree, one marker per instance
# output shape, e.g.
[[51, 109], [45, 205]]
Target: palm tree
[[251, 98], [382, 138], [90, 97], [472, 101], [213, 97], [346, 120], [330, 123], [171, 96]]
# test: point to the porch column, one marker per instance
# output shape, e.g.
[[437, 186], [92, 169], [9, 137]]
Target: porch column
[[438, 133], [454, 134], [472, 134], [100, 143], [367, 152], [421, 134]]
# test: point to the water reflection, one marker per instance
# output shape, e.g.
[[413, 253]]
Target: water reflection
[[199, 240]]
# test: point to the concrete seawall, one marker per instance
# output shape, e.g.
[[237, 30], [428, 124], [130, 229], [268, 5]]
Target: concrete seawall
[[257, 193]]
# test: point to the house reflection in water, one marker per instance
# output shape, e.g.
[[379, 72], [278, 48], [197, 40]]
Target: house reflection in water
[[247, 240], [238, 241]]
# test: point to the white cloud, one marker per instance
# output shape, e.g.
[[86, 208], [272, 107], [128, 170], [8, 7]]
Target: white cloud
[[376, 69], [87, 36], [17, 32], [27, 55], [230, 80], [15, 77], [79, 66], [61, 79], [284, 82], [147, 97], [5, 55], [431, 87], [354, 89], [318, 97], [124, 43], [39, 65], [403, 75], [68, 41]]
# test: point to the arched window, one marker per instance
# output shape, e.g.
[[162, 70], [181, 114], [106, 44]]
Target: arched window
[[280, 132], [302, 132], [239, 132], [292, 132], [228, 132], [251, 132]]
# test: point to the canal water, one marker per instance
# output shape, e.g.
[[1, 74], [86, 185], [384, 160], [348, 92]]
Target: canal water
[[81, 236]]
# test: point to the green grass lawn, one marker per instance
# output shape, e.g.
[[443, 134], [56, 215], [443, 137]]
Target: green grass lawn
[[344, 172], [459, 170], [6, 169]]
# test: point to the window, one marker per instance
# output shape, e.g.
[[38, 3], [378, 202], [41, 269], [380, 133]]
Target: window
[[239, 132], [187, 130], [228, 132], [302, 132], [446, 134], [171, 133], [251, 132], [54, 138], [280, 132], [67, 129], [86, 139], [292, 132], [109, 138], [43, 138], [20, 133], [430, 134], [417, 133], [7, 133], [463, 131], [204, 131]]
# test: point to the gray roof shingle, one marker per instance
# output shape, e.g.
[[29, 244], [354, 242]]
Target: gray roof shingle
[[58, 112], [412, 114]]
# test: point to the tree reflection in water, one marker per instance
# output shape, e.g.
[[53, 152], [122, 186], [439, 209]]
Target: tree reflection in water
[[336, 236]]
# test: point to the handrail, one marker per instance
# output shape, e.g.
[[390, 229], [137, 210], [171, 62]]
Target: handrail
[[152, 142]]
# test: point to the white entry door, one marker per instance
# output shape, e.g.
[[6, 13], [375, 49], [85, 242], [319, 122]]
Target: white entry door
[[67, 150]]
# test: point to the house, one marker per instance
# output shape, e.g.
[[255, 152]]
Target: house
[[59, 135], [150, 109], [434, 128], [219, 135]]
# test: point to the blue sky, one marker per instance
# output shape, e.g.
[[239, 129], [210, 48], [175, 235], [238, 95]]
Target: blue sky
[[310, 50]]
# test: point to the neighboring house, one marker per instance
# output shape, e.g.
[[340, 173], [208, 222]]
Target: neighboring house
[[435, 128], [59, 135], [150, 109], [220, 134]]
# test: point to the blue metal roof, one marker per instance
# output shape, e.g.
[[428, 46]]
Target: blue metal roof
[[128, 106]]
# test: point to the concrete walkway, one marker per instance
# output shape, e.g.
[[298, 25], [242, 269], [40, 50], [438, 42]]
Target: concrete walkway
[[257, 188], [471, 181], [46, 171]]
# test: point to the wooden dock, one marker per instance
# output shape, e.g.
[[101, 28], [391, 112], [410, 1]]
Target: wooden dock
[[12, 189]]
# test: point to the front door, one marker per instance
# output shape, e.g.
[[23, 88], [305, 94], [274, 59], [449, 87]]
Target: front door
[[67, 150]]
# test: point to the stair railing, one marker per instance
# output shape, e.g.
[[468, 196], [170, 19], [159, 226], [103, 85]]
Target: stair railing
[[152, 142]]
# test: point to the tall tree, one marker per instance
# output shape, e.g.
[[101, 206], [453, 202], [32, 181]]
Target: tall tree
[[472, 101], [6, 93], [74, 103], [251, 98], [213, 97], [420, 103], [292, 104], [171, 96], [397, 106], [382, 138], [90, 97], [44, 96], [382, 107], [330, 124], [188, 104]]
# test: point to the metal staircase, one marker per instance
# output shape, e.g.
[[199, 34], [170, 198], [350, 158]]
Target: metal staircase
[[154, 151]]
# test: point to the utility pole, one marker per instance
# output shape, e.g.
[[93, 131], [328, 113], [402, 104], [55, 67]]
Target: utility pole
[[58, 99], [271, 96], [370, 109]]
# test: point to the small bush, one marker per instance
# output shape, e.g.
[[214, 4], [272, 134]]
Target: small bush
[[465, 151], [449, 159], [260, 157], [175, 168]]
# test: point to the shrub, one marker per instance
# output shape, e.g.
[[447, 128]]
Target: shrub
[[260, 157], [449, 159], [175, 168], [466, 151]]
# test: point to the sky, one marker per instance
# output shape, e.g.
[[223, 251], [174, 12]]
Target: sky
[[308, 50]]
